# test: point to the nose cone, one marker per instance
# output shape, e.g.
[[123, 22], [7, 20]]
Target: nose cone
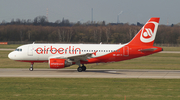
[[11, 56]]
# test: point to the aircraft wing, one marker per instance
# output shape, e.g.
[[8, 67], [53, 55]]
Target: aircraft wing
[[79, 57], [82, 57]]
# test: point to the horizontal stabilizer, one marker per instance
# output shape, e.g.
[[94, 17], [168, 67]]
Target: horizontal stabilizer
[[148, 50]]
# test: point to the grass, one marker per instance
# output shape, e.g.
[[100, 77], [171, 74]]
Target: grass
[[155, 61], [88, 89], [171, 48], [10, 46]]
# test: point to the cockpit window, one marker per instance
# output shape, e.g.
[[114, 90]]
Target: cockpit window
[[18, 49]]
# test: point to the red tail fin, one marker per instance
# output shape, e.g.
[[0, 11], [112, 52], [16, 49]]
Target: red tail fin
[[147, 34]]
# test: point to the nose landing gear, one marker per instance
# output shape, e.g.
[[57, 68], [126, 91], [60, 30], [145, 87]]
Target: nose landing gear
[[31, 68]]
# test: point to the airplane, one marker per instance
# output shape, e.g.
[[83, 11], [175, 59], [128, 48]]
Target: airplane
[[64, 55]]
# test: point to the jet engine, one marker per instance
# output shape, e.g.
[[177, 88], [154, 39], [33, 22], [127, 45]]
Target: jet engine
[[55, 63]]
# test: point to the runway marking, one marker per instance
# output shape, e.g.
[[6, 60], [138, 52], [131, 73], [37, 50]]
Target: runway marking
[[91, 73]]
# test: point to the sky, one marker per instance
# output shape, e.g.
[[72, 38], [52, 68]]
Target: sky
[[103, 10]]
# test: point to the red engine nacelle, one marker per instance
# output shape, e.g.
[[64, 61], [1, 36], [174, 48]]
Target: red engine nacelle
[[55, 63]]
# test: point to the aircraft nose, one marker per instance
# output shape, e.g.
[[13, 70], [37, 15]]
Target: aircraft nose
[[11, 55]]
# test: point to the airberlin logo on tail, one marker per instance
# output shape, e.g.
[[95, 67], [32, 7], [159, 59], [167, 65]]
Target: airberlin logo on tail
[[148, 32]]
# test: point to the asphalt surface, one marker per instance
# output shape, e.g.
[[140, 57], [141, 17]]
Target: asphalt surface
[[91, 73]]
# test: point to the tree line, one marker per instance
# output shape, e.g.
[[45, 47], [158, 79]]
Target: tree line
[[39, 20], [41, 30], [84, 34], [43, 21]]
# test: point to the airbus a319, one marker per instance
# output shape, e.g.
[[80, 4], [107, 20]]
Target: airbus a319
[[64, 55]]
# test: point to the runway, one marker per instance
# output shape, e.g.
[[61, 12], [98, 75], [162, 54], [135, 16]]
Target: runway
[[90, 73]]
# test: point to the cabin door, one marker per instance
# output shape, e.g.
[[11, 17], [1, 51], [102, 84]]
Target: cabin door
[[30, 51]]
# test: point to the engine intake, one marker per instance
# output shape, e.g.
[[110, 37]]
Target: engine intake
[[55, 63]]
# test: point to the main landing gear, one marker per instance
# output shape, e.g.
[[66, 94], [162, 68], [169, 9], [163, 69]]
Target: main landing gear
[[81, 68], [31, 68]]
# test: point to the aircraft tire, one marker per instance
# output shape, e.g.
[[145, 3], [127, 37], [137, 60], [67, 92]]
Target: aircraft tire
[[31, 68], [83, 68], [79, 69]]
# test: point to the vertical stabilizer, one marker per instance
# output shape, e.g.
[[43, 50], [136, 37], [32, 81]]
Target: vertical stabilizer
[[147, 34]]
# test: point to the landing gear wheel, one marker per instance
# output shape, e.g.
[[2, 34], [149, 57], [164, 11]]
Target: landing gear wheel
[[31, 68], [83, 68], [79, 69]]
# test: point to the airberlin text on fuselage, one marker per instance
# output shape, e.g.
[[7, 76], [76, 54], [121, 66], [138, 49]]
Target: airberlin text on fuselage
[[61, 50]]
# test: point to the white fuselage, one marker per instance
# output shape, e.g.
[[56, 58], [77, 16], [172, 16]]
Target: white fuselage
[[42, 52]]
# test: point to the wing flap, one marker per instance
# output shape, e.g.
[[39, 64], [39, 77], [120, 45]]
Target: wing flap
[[82, 57], [75, 58]]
